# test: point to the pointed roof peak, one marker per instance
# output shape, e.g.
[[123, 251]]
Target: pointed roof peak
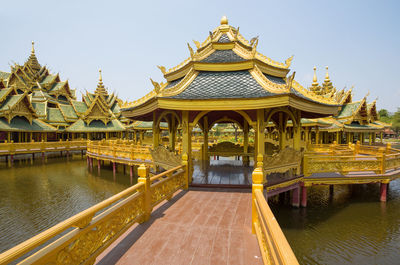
[[327, 74], [224, 20], [32, 60], [33, 48], [101, 90], [315, 81]]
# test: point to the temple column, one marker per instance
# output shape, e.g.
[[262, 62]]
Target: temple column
[[316, 135], [205, 141], [171, 131], [186, 141], [141, 134], [338, 137], [370, 138], [8, 137], [381, 137], [156, 131], [245, 142], [282, 131], [260, 136], [297, 132], [373, 137]]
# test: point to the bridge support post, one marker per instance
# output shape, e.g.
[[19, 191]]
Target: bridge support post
[[384, 187], [144, 177], [98, 166], [303, 196], [296, 197]]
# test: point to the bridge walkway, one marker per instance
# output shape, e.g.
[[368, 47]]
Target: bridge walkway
[[199, 226]]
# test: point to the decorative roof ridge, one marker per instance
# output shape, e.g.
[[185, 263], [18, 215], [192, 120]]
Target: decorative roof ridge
[[267, 84], [140, 101], [180, 86]]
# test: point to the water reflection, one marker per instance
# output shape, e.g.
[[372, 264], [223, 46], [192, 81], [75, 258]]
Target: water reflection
[[351, 227], [34, 198]]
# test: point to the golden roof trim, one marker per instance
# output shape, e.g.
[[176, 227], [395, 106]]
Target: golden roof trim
[[266, 83]]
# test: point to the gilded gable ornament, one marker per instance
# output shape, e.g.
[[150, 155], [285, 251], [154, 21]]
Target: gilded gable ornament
[[156, 85], [162, 68]]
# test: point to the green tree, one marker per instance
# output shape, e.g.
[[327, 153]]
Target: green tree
[[396, 121], [385, 116]]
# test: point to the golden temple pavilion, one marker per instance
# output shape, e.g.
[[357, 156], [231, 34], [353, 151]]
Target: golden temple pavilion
[[37, 105], [227, 79]]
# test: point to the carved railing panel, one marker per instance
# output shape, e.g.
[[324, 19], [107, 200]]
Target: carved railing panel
[[163, 157], [164, 185], [284, 160], [229, 149]]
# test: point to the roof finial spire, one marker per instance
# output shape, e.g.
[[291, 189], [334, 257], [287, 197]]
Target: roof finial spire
[[33, 47], [327, 74], [315, 75], [224, 20], [100, 77]]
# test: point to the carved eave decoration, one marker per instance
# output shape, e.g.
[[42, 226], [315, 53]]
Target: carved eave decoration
[[98, 110], [21, 108], [372, 112]]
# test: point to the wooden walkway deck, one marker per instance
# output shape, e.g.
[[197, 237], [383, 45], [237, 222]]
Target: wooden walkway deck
[[195, 227]]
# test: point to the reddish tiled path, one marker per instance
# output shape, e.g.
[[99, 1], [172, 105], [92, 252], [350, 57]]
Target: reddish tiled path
[[195, 227]]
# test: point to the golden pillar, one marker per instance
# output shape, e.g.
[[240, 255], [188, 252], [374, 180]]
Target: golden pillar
[[260, 133], [186, 141], [338, 137], [370, 138], [172, 131], [245, 141], [381, 137], [297, 132], [317, 135], [282, 131], [205, 141], [156, 131]]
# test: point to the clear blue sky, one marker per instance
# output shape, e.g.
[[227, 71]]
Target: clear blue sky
[[358, 40]]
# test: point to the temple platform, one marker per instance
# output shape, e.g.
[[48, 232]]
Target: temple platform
[[195, 227]]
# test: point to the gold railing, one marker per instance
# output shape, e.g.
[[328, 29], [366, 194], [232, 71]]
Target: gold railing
[[119, 149], [272, 242], [12, 148], [93, 230], [353, 158]]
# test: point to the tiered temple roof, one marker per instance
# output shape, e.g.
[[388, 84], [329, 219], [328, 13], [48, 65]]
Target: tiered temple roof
[[54, 103], [354, 116], [226, 66], [101, 112]]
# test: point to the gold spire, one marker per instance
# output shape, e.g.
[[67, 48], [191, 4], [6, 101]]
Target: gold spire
[[100, 77], [315, 76], [327, 74], [224, 20], [32, 60], [327, 84], [33, 48], [101, 90], [315, 86]]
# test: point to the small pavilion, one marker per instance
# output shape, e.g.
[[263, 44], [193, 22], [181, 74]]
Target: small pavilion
[[225, 79]]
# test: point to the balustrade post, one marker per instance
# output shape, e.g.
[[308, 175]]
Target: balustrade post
[[258, 180], [357, 148], [388, 147], [144, 177], [382, 152], [186, 164]]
